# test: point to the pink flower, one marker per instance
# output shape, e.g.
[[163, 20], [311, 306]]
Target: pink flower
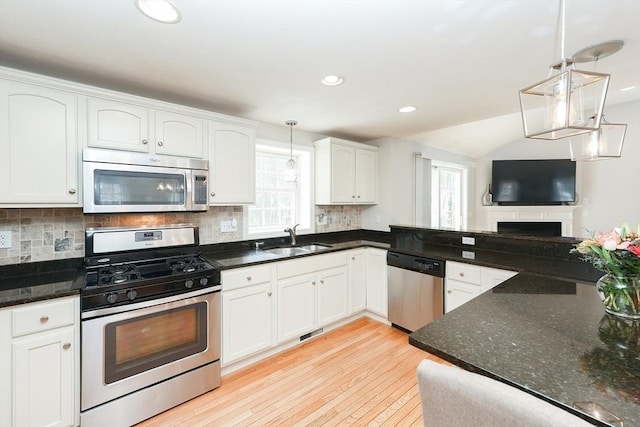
[[609, 241], [634, 249]]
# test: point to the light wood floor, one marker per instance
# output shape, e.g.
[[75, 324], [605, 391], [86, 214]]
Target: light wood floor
[[363, 373]]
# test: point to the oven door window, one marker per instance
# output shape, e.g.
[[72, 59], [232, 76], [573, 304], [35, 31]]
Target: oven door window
[[137, 345], [138, 188]]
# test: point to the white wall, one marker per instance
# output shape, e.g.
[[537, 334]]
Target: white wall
[[396, 190], [608, 189]]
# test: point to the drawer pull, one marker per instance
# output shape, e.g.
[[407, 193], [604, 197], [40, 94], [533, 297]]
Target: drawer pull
[[248, 278], [448, 292], [44, 319], [313, 283], [322, 281], [66, 346], [268, 294], [461, 274]]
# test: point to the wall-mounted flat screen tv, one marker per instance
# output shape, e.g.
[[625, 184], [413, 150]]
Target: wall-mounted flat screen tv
[[534, 182]]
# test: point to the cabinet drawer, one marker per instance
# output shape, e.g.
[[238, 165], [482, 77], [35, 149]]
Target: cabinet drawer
[[242, 277], [42, 316], [464, 272]]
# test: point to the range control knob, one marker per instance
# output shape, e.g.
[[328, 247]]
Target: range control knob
[[204, 281], [112, 298], [188, 283], [132, 294]]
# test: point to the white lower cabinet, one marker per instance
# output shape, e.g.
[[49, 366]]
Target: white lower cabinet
[[357, 281], [39, 345], [376, 278], [248, 307], [312, 293], [463, 282]]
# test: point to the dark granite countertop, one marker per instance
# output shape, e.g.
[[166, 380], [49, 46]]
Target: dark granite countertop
[[548, 337], [243, 257], [24, 283]]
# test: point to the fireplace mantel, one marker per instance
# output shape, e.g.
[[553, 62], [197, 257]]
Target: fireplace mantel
[[561, 214]]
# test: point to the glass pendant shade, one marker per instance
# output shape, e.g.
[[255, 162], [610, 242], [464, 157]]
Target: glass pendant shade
[[604, 143], [291, 172], [555, 107]]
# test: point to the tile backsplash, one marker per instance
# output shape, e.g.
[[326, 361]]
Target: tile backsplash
[[51, 234]]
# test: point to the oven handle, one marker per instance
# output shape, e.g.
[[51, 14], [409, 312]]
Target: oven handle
[[144, 304]]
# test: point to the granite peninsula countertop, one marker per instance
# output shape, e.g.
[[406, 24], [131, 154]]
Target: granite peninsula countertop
[[549, 337]]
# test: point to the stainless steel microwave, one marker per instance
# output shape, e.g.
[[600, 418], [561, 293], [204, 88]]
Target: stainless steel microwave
[[121, 182]]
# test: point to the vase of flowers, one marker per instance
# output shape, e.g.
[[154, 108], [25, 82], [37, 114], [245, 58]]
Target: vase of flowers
[[617, 253]]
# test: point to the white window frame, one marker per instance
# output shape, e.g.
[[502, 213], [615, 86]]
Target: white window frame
[[435, 193], [306, 207]]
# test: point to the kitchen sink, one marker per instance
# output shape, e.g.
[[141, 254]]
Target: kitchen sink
[[287, 251], [297, 250]]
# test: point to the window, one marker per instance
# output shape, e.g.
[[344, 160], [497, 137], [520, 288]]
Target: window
[[280, 204], [448, 196]]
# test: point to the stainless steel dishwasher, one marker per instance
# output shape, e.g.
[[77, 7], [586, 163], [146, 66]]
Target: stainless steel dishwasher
[[416, 290]]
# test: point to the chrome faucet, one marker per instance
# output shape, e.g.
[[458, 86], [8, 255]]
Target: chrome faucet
[[292, 233]]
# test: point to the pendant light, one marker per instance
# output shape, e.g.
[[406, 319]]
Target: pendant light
[[554, 108], [607, 141], [291, 168]]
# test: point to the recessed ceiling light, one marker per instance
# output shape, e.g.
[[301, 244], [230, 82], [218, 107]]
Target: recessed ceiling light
[[407, 109], [332, 80], [159, 10], [625, 89]]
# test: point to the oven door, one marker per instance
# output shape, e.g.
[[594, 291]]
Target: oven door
[[127, 351]]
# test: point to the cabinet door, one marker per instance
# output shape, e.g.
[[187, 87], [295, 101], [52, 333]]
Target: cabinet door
[[247, 317], [296, 306], [377, 281], [342, 174], [357, 282], [43, 386], [332, 295], [492, 277], [179, 135], [232, 164], [366, 177], [117, 125], [38, 145], [458, 293]]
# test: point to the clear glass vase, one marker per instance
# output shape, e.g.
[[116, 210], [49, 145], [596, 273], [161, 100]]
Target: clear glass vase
[[620, 295]]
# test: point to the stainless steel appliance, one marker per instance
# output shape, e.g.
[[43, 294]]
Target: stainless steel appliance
[[116, 181], [416, 290], [150, 320]]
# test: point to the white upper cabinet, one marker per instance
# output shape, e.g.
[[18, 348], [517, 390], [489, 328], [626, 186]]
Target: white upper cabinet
[[123, 126], [232, 164], [117, 125], [38, 146], [346, 172], [179, 134]]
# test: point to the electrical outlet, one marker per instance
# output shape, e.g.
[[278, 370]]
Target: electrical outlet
[[5, 239], [468, 241], [321, 219], [229, 226]]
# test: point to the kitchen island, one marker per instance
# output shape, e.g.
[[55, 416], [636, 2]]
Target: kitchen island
[[549, 337]]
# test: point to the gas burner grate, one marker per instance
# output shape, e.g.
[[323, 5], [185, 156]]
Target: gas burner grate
[[185, 264], [115, 275]]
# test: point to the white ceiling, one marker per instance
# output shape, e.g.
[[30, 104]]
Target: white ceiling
[[457, 61]]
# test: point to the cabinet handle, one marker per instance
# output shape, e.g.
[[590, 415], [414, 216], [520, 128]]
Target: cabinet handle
[[72, 191], [213, 194], [358, 196], [353, 258], [248, 278], [313, 283], [461, 274], [322, 282], [353, 197], [145, 142], [159, 143], [448, 292], [66, 346], [268, 294], [44, 319]]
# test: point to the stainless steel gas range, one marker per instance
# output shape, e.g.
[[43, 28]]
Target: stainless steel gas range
[[150, 323]]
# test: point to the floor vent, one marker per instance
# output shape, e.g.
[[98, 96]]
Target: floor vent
[[311, 334]]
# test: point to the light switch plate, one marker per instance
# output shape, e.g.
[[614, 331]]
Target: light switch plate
[[468, 241], [5, 239]]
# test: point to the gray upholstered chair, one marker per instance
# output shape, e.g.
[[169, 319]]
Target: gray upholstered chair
[[453, 397]]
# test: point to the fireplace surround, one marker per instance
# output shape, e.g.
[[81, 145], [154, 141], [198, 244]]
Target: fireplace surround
[[532, 214]]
